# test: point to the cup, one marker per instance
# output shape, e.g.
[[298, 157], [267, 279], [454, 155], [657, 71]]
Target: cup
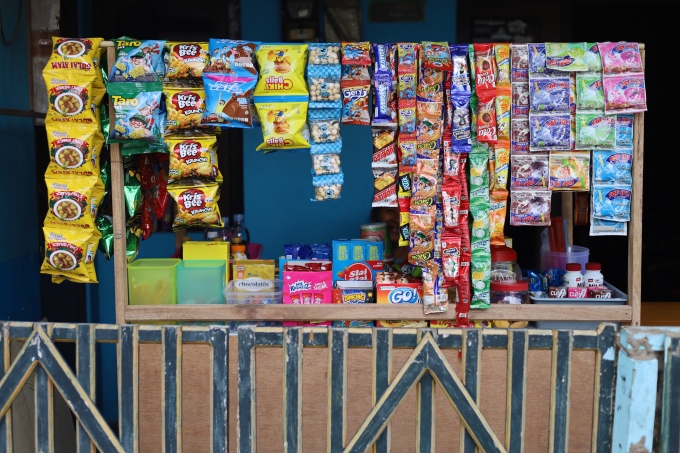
[[559, 260]]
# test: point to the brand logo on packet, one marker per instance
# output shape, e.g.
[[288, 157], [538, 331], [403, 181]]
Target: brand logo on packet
[[274, 83], [357, 271], [193, 200], [561, 61], [358, 297], [354, 93], [299, 285], [403, 296], [618, 193], [187, 102], [279, 141], [253, 284], [190, 53]]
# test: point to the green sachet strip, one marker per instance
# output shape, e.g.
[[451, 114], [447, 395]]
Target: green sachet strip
[[473, 70], [593, 59], [132, 190], [480, 270]]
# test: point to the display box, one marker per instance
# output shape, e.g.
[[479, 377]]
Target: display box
[[357, 259], [400, 293], [208, 250], [353, 292], [254, 296], [153, 281], [201, 282], [307, 287], [256, 275]]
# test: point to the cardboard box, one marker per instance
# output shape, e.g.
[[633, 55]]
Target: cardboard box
[[252, 275], [207, 250], [399, 293], [357, 259], [307, 287]]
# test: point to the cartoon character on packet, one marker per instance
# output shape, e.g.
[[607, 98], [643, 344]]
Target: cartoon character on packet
[[282, 63], [278, 119]]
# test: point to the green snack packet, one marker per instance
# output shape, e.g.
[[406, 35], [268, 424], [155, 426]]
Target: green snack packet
[[566, 56], [473, 71], [132, 149], [479, 176], [589, 91], [593, 59], [132, 190], [104, 224], [595, 130], [480, 271], [132, 239], [480, 234], [139, 113]]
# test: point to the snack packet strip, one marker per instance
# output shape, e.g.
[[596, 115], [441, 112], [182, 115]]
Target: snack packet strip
[[404, 200], [74, 150], [612, 167], [503, 107], [497, 211], [502, 55], [70, 253], [480, 246], [323, 75], [612, 202], [566, 56], [519, 99], [486, 70], [595, 130]]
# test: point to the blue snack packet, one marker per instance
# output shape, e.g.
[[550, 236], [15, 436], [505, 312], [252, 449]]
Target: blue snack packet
[[138, 61]]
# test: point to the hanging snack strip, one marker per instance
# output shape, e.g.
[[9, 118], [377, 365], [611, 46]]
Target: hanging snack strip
[[519, 120], [355, 82], [325, 111], [73, 177], [623, 77]]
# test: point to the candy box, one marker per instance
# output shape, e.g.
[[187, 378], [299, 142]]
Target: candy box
[[599, 292], [357, 259], [353, 292], [400, 293], [577, 293], [249, 274], [307, 287]]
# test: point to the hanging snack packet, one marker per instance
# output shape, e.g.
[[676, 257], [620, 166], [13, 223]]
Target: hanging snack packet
[[137, 61], [620, 57], [519, 62], [324, 54], [566, 56], [355, 96], [421, 240], [133, 193], [550, 132], [227, 101], [530, 170], [472, 64], [454, 164], [460, 74], [612, 167], [69, 253], [185, 107], [386, 155], [407, 117], [549, 95], [190, 159], [356, 53], [570, 171], [327, 187], [450, 256], [474, 113], [74, 150], [451, 202], [196, 207], [519, 135], [425, 187], [283, 120], [595, 130], [324, 127], [71, 98], [502, 162], [408, 145], [601, 227], [537, 62], [485, 67], [589, 91], [326, 164], [486, 117], [520, 99], [624, 131], [430, 85], [137, 108], [593, 59], [185, 60], [461, 140], [530, 207], [436, 55], [612, 202], [503, 103], [232, 57], [73, 201], [497, 210], [404, 201], [502, 54], [282, 69], [74, 55], [625, 94], [385, 185]]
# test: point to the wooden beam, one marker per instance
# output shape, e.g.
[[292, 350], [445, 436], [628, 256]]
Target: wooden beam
[[530, 312]]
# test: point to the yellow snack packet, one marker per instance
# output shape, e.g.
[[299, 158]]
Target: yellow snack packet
[[185, 60], [502, 162], [74, 55], [71, 98], [282, 125], [282, 69], [69, 254], [73, 201], [75, 150], [185, 107], [190, 158], [196, 206]]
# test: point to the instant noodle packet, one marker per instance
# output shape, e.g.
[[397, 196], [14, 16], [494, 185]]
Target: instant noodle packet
[[138, 114], [138, 61], [196, 206], [73, 201], [74, 55], [282, 69], [74, 150], [283, 120], [72, 98], [190, 158], [232, 57], [69, 254], [228, 100], [185, 107], [185, 60]]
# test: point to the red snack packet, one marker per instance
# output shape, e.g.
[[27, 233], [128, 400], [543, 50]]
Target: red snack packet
[[485, 67], [450, 256], [436, 55], [486, 118], [148, 220], [451, 203], [463, 304], [356, 53]]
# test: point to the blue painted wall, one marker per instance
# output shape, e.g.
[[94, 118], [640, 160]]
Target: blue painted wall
[[19, 230]]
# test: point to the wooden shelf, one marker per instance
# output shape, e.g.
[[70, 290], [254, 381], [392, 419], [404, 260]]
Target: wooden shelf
[[530, 312]]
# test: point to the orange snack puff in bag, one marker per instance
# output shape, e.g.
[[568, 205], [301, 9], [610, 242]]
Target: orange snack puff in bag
[[73, 201], [185, 107], [282, 69], [74, 150], [196, 206], [190, 158], [69, 254], [497, 210], [185, 60], [71, 98], [74, 55]]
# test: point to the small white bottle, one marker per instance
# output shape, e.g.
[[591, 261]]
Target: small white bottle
[[593, 276], [573, 277]]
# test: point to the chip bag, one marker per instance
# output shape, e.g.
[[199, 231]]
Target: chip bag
[[74, 150], [283, 121], [137, 61], [71, 98], [185, 60], [73, 202], [185, 107], [196, 207], [233, 57], [138, 115], [228, 100], [282, 69], [69, 254], [190, 158], [74, 55]]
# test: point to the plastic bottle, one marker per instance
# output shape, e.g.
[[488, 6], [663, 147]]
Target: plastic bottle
[[593, 276], [573, 277], [226, 231], [239, 232], [213, 235], [238, 251]]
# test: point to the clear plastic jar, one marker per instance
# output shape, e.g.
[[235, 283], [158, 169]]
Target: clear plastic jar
[[504, 264], [505, 292]]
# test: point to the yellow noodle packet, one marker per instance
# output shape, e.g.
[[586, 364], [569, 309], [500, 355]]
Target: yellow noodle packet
[[73, 201], [75, 150], [282, 69], [69, 254], [74, 55], [72, 98], [282, 123], [196, 206]]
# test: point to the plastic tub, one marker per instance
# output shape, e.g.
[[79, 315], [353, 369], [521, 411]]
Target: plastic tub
[[201, 281], [559, 260], [153, 281], [254, 297]]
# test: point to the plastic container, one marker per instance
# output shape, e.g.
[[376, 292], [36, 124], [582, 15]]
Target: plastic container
[[226, 230], [254, 297], [505, 292], [238, 252], [239, 232], [593, 276], [504, 263], [573, 278], [559, 260], [201, 282], [153, 281]]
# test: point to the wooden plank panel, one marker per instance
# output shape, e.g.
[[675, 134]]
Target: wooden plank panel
[[559, 398], [670, 414], [472, 351], [247, 429], [516, 389], [44, 412], [146, 313], [425, 406], [292, 390], [172, 389], [337, 395], [382, 372], [603, 404], [128, 387], [219, 407], [5, 362], [86, 370], [314, 408]]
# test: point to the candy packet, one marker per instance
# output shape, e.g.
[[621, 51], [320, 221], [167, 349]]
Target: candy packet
[[283, 120], [282, 69], [570, 171], [612, 202], [485, 67], [530, 207], [384, 185], [436, 55], [595, 130], [486, 117], [566, 56], [497, 210], [232, 57], [460, 74], [407, 145], [503, 107], [612, 167], [502, 54], [327, 187], [461, 139]]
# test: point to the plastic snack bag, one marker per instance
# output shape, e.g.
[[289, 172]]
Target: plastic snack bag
[[196, 206], [73, 201], [327, 187], [69, 254], [232, 57], [283, 120], [595, 130], [190, 159], [138, 115], [282, 69], [568, 57], [185, 107], [137, 61], [185, 60], [228, 100], [74, 150], [74, 55], [72, 99]]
